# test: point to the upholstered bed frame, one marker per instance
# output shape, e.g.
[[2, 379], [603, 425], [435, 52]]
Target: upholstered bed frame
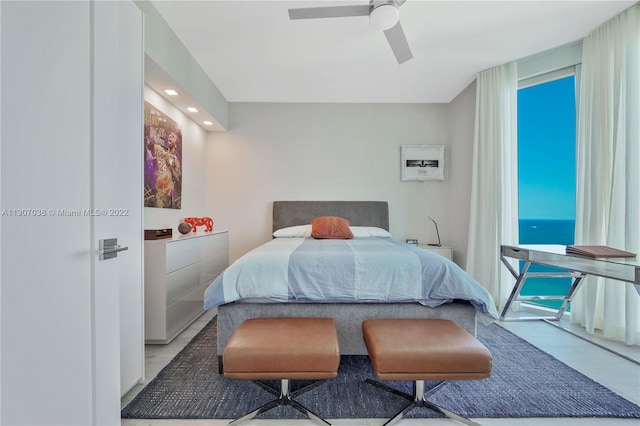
[[348, 316], [359, 213]]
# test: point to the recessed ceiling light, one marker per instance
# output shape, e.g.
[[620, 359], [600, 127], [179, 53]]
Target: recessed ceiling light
[[170, 92], [207, 122], [192, 109]]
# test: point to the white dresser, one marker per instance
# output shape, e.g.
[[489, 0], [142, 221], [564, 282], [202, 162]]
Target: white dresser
[[177, 271]]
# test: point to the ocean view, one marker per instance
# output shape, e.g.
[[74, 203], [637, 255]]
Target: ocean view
[[547, 136], [546, 231]]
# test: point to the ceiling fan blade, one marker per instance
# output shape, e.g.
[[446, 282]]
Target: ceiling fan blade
[[329, 12], [401, 2], [398, 42]]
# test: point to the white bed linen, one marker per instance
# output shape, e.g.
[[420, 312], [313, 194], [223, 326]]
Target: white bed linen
[[367, 270]]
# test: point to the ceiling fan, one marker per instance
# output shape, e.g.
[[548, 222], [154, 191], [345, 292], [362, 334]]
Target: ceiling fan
[[383, 16]]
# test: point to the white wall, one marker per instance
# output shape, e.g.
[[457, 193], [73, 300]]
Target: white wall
[[194, 188], [337, 152], [461, 129]]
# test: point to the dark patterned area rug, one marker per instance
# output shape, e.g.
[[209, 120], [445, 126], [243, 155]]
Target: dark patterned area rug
[[525, 382]]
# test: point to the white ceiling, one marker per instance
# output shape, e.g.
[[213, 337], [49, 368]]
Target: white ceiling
[[253, 53]]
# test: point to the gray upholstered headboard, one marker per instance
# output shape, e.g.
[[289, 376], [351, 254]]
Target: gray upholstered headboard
[[359, 213]]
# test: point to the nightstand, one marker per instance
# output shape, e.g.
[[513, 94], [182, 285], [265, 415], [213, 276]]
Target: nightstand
[[442, 250]]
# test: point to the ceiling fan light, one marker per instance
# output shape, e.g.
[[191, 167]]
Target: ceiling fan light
[[384, 17]]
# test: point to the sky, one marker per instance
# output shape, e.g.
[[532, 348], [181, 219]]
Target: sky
[[546, 150]]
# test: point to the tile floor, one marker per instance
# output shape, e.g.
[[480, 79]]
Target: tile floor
[[618, 374]]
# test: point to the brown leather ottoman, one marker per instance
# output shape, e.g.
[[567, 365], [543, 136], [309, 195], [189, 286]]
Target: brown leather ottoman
[[424, 349], [283, 349]]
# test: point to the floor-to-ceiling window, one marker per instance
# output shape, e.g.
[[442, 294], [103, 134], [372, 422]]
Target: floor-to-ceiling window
[[547, 170]]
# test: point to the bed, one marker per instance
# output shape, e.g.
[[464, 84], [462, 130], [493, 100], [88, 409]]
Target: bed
[[270, 294]]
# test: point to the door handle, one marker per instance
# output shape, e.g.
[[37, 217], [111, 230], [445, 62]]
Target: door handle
[[109, 248]]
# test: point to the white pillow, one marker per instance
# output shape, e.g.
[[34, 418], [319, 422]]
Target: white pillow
[[298, 231], [369, 232]]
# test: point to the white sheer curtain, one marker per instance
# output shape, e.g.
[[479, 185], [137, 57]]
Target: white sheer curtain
[[494, 191], [608, 163]]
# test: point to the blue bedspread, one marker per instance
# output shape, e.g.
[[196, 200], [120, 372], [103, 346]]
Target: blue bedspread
[[346, 271]]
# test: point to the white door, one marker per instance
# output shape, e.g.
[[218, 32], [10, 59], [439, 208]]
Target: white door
[[117, 201], [130, 171], [61, 153], [117, 181]]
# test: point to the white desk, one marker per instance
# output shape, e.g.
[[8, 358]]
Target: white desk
[[577, 267]]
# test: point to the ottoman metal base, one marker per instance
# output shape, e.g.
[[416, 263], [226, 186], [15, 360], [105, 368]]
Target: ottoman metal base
[[284, 398], [419, 400]]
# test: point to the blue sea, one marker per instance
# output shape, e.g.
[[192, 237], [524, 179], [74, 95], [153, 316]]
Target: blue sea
[[546, 231]]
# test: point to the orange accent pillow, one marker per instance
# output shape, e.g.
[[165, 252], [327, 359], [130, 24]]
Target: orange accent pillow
[[330, 227]]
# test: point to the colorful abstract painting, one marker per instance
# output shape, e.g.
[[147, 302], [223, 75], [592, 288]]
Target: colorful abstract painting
[[162, 160]]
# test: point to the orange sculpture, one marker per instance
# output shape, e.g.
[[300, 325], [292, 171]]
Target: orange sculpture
[[200, 221]]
